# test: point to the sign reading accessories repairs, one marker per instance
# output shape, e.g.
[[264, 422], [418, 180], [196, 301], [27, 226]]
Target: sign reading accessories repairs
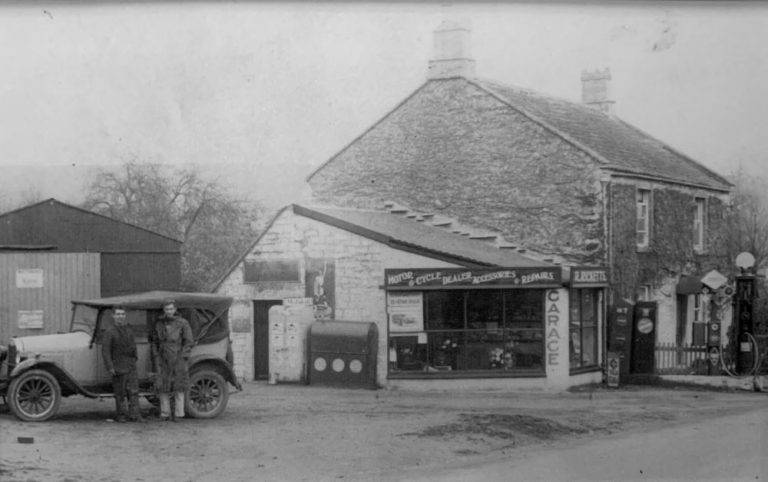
[[430, 279]]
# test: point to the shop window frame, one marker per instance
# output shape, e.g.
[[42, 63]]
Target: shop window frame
[[576, 326], [461, 335]]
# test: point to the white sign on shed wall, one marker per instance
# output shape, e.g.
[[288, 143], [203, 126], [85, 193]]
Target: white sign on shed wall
[[51, 281], [30, 319], [29, 278]]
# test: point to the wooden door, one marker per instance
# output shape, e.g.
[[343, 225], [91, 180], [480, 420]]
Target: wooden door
[[261, 337]]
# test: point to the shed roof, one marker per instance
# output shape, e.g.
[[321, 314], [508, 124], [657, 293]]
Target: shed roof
[[402, 233], [54, 225]]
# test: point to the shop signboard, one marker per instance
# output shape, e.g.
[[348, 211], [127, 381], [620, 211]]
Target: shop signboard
[[589, 277], [285, 270], [714, 279], [406, 312], [462, 278]]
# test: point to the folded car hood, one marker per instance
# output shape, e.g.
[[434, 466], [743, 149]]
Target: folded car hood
[[57, 343]]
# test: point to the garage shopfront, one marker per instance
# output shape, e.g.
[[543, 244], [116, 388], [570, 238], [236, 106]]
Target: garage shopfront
[[487, 323]]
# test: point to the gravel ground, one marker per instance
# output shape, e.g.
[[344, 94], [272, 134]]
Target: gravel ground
[[296, 432]]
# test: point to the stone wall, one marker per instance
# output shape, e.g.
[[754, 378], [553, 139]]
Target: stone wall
[[433, 154], [670, 252], [359, 276]]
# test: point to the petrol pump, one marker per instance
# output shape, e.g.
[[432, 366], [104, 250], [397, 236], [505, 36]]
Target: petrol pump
[[744, 301]]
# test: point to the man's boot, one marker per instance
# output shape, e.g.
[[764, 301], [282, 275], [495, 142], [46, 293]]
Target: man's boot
[[133, 408], [119, 411]]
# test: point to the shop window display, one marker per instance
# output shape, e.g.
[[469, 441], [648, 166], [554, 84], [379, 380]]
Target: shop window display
[[584, 305], [495, 330]]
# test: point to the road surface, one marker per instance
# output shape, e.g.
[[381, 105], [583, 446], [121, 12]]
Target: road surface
[[728, 448]]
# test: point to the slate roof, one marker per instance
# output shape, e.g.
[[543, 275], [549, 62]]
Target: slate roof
[[621, 146], [400, 232], [404, 234], [57, 226], [616, 145]]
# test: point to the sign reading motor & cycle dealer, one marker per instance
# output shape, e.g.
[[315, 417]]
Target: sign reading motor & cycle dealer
[[426, 279]]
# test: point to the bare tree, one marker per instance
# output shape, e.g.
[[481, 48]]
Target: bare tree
[[214, 224], [747, 221]]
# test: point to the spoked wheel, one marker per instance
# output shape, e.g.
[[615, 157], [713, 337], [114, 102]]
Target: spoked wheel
[[728, 361], [34, 396], [208, 393]]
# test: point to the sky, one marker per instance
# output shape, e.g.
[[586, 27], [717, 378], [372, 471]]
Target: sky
[[257, 95]]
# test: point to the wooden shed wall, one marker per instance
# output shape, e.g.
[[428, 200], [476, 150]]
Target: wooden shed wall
[[65, 276], [123, 273]]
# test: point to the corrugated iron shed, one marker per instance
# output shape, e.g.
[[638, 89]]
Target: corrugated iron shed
[[77, 254], [36, 289]]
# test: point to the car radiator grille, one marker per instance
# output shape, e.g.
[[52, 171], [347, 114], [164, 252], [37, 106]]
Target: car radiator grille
[[11, 357]]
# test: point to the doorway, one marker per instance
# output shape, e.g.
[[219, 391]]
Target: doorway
[[261, 337], [644, 338]]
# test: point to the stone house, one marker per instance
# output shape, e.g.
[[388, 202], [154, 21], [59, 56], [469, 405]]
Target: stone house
[[566, 181]]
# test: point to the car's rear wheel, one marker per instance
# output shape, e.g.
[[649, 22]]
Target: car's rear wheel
[[208, 393], [34, 396]]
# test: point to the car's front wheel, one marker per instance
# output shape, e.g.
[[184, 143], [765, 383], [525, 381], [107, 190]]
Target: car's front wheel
[[208, 393], [34, 396]]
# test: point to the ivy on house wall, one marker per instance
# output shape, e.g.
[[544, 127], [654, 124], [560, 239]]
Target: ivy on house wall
[[670, 252]]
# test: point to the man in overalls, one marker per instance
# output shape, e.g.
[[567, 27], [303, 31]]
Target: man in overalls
[[171, 345], [119, 352]]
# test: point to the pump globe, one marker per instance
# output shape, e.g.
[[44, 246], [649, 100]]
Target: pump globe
[[745, 260]]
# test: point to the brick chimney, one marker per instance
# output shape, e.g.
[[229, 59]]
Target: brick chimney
[[595, 90], [451, 57]]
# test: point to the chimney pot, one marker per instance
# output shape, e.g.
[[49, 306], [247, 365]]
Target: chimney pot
[[595, 90], [451, 57]]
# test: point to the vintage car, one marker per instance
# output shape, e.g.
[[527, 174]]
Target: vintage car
[[37, 371]]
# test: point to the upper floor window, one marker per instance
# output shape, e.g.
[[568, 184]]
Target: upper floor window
[[643, 217], [644, 293], [698, 224]]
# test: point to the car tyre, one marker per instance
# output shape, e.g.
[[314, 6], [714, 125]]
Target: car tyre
[[208, 393], [34, 396]]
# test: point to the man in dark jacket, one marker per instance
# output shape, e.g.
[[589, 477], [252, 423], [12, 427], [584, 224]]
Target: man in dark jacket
[[119, 350], [171, 345]]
